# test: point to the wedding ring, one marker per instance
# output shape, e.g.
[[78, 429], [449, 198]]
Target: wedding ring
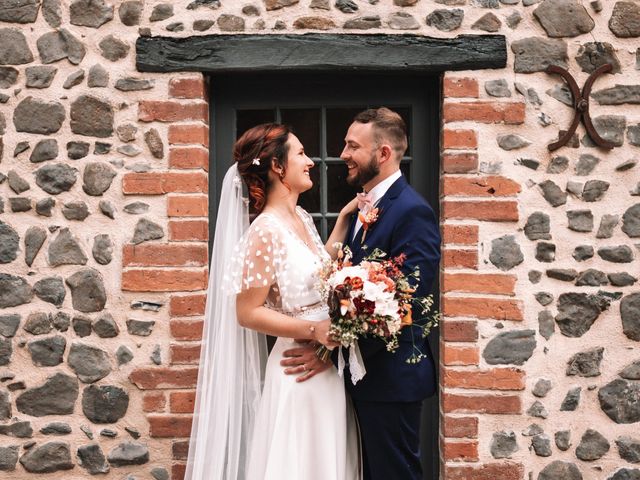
[[304, 368]]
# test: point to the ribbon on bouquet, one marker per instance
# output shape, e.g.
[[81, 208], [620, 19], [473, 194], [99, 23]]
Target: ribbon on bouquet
[[356, 364]]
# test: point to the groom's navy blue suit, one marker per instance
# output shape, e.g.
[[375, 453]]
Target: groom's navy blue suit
[[388, 399]]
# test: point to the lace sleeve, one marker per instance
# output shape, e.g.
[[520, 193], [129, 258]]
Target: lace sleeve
[[258, 257]]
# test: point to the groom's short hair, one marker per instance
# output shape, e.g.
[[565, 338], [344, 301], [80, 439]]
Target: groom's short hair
[[387, 125]]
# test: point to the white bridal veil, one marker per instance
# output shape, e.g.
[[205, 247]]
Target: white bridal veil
[[232, 359]]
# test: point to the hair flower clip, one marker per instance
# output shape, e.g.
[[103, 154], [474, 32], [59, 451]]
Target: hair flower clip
[[256, 161]]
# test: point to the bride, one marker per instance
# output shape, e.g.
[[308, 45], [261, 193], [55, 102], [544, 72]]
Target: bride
[[252, 421]]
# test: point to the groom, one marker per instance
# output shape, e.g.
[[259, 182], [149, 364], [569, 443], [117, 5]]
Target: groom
[[388, 399]]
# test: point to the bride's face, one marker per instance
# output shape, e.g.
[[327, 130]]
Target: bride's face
[[297, 174]]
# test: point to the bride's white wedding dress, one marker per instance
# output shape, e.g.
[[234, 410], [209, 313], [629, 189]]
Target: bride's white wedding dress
[[303, 430]]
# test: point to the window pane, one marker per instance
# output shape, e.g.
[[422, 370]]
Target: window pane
[[331, 222], [318, 223], [310, 200], [339, 193], [246, 119], [338, 121], [306, 125]]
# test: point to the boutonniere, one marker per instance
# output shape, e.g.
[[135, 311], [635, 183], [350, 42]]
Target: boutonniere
[[367, 218]]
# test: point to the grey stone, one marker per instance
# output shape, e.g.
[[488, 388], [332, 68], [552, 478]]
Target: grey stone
[[20, 204], [14, 291], [57, 396], [625, 20], [345, 6], [545, 252], [19, 11], [618, 95], [161, 12], [44, 150], [531, 430], [580, 220], [107, 209], [552, 193], [109, 433], [130, 13], [92, 459], [487, 23], [586, 163], [563, 274], [40, 76], [542, 387], [9, 458], [626, 474], [33, 240], [512, 142], [535, 54], [92, 117], [538, 227], [54, 46], [113, 48], [585, 364], [538, 410], [592, 446], [571, 400], [56, 428], [363, 23], [5, 406], [129, 150], [66, 250], [202, 25], [156, 355], [102, 249], [546, 325], [633, 136], [17, 430], [505, 253], [124, 355], [6, 349], [160, 473], [594, 190], [20, 147], [544, 298], [77, 150], [52, 12], [559, 470], [15, 49], [452, 2], [47, 458], [563, 440], [154, 142], [44, 207], [98, 77], [607, 224], [127, 132], [577, 312], [8, 77], [136, 208], [512, 347], [564, 18], [402, 21], [51, 290], [142, 328], [105, 326], [231, 23], [90, 13], [74, 79], [38, 323], [47, 352], [541, 445], [575, 188], [89, 363], [621, 279], [446, 20], [9, 324], [82, 326], [17, 183], [37, 116], [97, 178], [630, 315], [503, 444], [130, 84], [592, 277], [87, 290], [56, 178], [9, 243], [620, 400], [562, 94], [129, 453], [105, 404], [487, 3], [147, 230], [631, 221], [611, 127], [558, 164], [617, 254], [629, 449], [146, 305], [513, 20]]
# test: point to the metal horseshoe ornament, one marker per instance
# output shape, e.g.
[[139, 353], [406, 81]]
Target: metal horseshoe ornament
[[581, 104]]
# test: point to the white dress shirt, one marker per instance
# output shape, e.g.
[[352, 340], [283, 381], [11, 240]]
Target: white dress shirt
[[377, 193]]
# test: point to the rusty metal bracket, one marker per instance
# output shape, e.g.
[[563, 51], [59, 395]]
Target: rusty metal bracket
[[581, 105]]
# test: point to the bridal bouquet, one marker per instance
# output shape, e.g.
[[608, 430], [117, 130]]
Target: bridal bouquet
[[374, 299]]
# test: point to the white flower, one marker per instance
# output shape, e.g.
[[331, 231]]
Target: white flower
[[355, 271]]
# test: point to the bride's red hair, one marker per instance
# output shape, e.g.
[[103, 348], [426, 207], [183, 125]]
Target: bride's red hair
[[254, 152]]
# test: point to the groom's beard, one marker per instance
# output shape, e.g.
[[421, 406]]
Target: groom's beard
[[365, 173]]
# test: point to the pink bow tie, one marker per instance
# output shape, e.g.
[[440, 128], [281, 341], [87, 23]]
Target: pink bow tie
[[365, 201]]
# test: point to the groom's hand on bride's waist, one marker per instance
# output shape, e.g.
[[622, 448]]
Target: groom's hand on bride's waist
[[303, 361]]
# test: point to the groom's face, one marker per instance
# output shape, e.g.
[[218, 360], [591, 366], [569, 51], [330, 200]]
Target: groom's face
[[360, 154]]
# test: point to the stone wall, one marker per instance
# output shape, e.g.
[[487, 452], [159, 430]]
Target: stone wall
[[103, 231]]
